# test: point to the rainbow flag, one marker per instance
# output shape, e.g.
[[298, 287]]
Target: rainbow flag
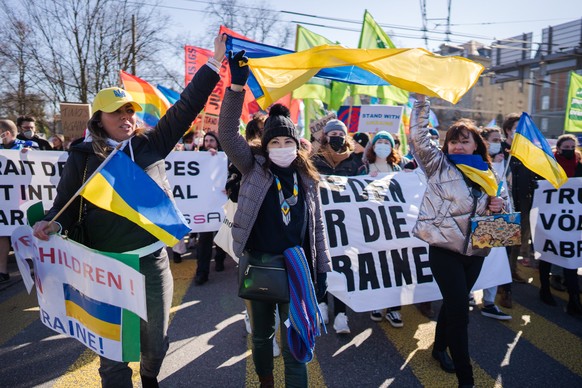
[[477, 170], [101, 318], [153, 102], [123, 188], [532, 148]]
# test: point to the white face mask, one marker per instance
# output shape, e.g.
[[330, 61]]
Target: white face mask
[[382, 150], [188, 146], [28, 134], [283, 157], [494, 148], [198, 141]]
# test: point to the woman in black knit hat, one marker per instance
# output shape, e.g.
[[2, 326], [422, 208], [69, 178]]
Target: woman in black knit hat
[[278, 208]]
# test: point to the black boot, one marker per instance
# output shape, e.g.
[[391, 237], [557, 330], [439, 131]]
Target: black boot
[[267, 381], [149, 382], [200, 279], [574, 306], [444, 360], [218, 265], [546, 297]]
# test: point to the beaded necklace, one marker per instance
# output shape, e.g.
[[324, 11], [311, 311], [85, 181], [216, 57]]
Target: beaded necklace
[[286, 203]]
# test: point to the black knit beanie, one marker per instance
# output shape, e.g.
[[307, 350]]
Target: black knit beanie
[[279, 124], [215, 136]]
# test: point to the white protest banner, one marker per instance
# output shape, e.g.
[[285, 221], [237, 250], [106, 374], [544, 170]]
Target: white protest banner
[[556, 223], [26, 178], [84, 294], [197, 180], [376, 260], [376, 118]]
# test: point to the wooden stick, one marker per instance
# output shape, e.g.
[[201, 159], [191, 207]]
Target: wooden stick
[[85, 184]]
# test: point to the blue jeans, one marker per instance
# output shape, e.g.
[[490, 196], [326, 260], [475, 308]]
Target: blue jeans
[[455, 275], [154, 340], [262, 316]]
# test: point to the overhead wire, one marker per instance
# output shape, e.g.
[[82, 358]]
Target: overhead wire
[[392, 27]]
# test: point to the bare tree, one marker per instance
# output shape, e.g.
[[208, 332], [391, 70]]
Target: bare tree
[[15, 38], [67, 50], [84, 43], [256, 21]]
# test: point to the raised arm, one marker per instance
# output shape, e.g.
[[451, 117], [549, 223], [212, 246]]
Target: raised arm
[[233, 143], [425, 151], [179, 117]]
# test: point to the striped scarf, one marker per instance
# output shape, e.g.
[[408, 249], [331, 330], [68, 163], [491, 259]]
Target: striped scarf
[[304, 314]]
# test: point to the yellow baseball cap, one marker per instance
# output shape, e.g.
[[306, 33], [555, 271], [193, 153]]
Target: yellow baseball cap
[[110, 99]]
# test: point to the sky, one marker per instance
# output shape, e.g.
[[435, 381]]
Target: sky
[[483, 21]]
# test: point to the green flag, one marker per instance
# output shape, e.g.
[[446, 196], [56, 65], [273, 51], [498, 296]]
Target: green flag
[[317, 90], [373, 36], [573, 120]]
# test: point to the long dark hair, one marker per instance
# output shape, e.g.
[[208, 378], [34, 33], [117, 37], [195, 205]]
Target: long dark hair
[[462, 129], [254, 128]]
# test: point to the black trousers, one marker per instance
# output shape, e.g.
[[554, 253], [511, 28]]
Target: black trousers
[[204, 252], [455, 275], [570, 277]]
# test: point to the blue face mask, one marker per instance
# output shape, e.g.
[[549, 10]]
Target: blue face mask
[[382, 150], [494, 148]]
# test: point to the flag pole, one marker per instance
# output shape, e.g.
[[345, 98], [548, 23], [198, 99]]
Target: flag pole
[[85, 183], [504, 177]]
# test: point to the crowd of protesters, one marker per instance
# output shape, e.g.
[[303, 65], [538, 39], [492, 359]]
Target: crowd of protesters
[[340, 153]]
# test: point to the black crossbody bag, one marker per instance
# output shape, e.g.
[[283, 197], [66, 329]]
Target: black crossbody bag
[[263, 276]]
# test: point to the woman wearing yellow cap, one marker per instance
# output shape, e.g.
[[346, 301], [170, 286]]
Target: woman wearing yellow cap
[[114, 123]]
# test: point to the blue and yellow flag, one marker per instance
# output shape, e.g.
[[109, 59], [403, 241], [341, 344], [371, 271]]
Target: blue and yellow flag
[[101, 318], [414, 70], [171, 95], [532, 148], [477, 170], [123, 188]]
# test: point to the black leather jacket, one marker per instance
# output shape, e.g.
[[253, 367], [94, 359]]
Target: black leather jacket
[[107, 231]]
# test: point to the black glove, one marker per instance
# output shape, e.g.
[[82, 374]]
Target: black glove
[[239, 69]]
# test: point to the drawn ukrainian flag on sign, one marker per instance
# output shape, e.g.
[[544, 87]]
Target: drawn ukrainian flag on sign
[[123, 188], [101, 318]]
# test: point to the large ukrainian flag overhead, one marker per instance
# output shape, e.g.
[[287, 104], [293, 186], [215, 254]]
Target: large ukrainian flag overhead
[[123, 188], [414, 70], [532, 148]]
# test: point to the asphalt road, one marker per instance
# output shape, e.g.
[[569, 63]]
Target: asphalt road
[[540, 347]]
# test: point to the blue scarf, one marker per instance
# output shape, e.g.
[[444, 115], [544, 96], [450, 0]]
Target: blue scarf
[[477, 170], [304, 314]]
